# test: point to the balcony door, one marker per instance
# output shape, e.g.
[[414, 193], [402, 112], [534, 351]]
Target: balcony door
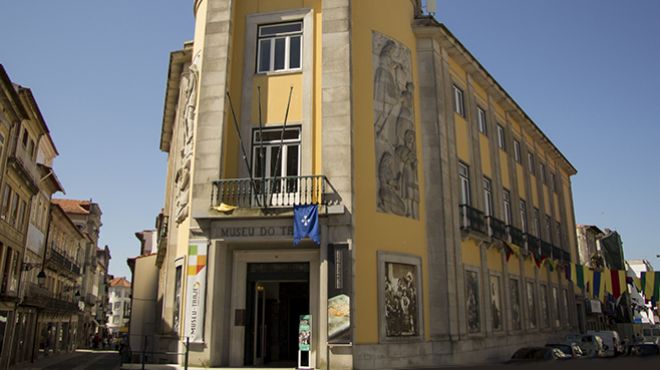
[[276, 164]]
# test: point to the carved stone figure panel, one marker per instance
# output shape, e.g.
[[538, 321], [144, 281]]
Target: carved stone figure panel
[[394, 128], [472, 301], [401, 311], [182, 178]]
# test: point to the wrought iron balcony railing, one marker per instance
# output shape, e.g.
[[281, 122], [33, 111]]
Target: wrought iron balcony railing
[[517, 236], [274, 192], [472, 219], [546, 249], [497, 228], [533, 244]]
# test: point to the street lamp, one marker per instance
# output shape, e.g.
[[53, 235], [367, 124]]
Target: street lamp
[[41, 278]]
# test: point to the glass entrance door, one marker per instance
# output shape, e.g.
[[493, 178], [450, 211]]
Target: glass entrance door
[[278, 294]]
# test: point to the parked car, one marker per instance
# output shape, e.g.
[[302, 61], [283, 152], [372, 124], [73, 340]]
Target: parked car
[[611, 341], [571, 349], [645, 349], [591, 345], [529, 354]]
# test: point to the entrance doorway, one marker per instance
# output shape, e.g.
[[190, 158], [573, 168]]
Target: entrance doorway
[[277, 294]]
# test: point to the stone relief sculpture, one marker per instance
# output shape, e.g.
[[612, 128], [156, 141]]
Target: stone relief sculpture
[[394, 128], [183, 178]]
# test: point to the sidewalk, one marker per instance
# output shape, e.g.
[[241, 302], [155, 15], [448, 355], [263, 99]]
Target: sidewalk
[[45, 361]]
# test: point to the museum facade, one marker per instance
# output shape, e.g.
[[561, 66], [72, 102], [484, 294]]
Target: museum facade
[[445, 215]]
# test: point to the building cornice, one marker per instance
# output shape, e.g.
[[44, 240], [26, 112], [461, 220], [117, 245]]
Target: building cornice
[[177, 61], [427, 26]]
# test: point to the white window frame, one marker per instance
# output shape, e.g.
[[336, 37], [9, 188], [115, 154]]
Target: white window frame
[[256, 145], [482, 122], [488, 196], [501, 137], [508, 214], [459, 101], [523, 215], [516, 151], [464, 176], [287, 47]]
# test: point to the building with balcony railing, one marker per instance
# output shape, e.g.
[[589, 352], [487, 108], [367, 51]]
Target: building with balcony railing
[[424, 172], [27, 182]]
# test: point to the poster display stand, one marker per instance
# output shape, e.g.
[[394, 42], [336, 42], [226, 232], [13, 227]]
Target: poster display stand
[[305, 341]]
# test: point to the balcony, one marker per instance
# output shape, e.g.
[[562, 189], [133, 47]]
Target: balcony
[[533, 244], [273, 192], [546, 249], [517, 236], [497, 228], [22, 161], [39, 296], [472, 219], [62, 261]]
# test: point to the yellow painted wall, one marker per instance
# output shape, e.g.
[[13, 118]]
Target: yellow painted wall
[[535, 198], [529, 267], [494, 256], [486, 165], [470, 252], [513, 265], [457, 71], [462, 139], [274, 87], [482, 96], [504, 171], [275, 96], [520, 176], [376, 231]]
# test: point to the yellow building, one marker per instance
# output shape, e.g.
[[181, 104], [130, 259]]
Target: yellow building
[[444, 211]]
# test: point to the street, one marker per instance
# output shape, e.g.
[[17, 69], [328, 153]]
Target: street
[[624, 362], [79, 360]]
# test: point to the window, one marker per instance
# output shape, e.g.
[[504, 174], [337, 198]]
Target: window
[[481, 120], [279, 47], [20, 218], [536, 223], [508, 219], [523, 215], [25, 138], [553, 182], [269, 161], [176, 322], [548, 227], [530, 163], [13, 210], [558, 241], [542, 172], [516, 151], [116, 306], [488, 197], [6, 270], [6, 197], [2, 144], [115, 319], [459, 102], [501, 142], [464, 175]]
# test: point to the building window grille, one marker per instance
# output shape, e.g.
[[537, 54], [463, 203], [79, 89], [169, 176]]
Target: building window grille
[[516, 151], [507, 207], [501, 140], [488, 197], [459, 101], [464, 175], [481, 120]]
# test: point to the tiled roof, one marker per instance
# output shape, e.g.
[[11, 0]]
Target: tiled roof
[[120, 281], [80, 207]]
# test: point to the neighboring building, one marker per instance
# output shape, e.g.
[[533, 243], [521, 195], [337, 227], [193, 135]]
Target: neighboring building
[[59, 321], [612, 249], [27, 182], [102, 291], [87, 217], [120, 303], [144, 293], [588, 246], [444, 211]]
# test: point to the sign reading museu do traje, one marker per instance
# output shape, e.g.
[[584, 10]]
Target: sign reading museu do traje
[[196, 291]]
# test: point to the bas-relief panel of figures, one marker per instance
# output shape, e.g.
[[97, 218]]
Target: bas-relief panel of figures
[[182, 178], [394, 128], [472, 301], [401, 309]]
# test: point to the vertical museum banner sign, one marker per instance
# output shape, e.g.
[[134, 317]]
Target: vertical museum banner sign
[[340, 271], [196, 291]]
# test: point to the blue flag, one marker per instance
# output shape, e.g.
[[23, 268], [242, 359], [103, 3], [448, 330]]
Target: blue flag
[[306, 223]]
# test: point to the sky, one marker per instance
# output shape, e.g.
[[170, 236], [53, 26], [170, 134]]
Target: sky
[[585, 71]]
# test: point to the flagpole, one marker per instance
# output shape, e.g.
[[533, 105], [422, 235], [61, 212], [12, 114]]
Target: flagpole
[[240, 140], [279, 152]]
